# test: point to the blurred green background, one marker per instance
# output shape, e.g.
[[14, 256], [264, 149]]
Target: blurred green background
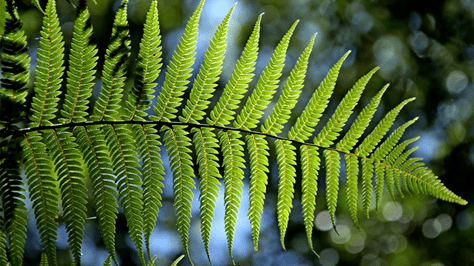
[[425, 50]]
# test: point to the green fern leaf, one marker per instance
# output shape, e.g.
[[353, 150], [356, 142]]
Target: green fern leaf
[[108, 261], [390, 182], [175, 263], [44, 260], [258, 153], [266, 86], [332, 182], [389, 160], [286, 159], [177, 143], [233, 161], [65, 155], [3, 249], [205, 142], [205, 82], [223, 113], [304, 126], [16, 230], [398, 163], [148, 147], [367, 187], [42, 191], [397, 151], [380, 154], [379, 131], [289, 96], [352, 173], [49, 69], [361, 123], [82, 61], [148, 66], [387, 146], [108, 104], [379, 182], [12, 207], [104, 189], [152, 261], [38, 5], [310, 163], [125, 162], [331, 130], [147, 143], [179, 70], [15, 63]]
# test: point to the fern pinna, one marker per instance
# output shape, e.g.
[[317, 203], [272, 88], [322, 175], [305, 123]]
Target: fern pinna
[[116, 145]]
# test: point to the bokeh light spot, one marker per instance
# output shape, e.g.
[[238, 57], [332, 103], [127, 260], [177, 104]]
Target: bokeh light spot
[[343, 236], [431, 228], [356, 243], [456, 82], [392, 211], [388, 243], [323, 221], [329, 257], [445, 220]]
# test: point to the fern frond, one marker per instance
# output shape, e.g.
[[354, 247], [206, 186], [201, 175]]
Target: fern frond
[[380, 130], [42, 191], [125, 162], [148, 66], [304, 126], [380, 154], [49, 69], [379, 182], [147, 138], [398, 163], [104, 189], [16, 229], [206, 145], [389, 160], [15, 63], [205, 82], [44, 260], [258, 153], [331, 130], [418, 179], [223, 113], [3, 249], [175, 263], [108, 104], [367, 187], [310, 163], [286, 159], [38, 5], [65, 155], [178, 70], [233, 161], [266, 85], [332, 182], [361, 123], [82, 61], [177, 143], [352, 190], [12, 206], [387, 146], [290, 94], [148, 146], [152, 261]]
